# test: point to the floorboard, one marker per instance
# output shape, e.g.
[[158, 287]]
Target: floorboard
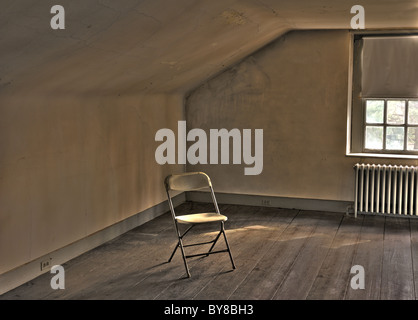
[[305, 268], [269, 272], [255, 241], [369, 255], [397, 272], [414, 252], [280, 254], [334, 274]]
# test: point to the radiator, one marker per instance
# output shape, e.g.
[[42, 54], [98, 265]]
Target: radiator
[[386, 189]]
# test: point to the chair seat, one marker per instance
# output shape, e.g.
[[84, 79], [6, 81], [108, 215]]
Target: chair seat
[[201, 218]]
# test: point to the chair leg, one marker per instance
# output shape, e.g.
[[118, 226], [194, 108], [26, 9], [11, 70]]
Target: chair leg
[[214, 242], [227, 245], [180, 244], [184, 258]]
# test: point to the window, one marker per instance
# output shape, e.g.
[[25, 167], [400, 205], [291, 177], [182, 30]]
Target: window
[[391, 125], [383, 115]]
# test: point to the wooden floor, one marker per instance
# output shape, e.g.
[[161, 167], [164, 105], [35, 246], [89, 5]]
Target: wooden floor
[[279, 253]]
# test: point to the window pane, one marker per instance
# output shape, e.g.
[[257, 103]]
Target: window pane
[[396, 112], [413, 112], [412, 138], [374, 111], [394, 138], [374, 137]]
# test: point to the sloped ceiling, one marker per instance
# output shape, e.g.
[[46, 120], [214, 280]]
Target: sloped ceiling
[[131, 46]]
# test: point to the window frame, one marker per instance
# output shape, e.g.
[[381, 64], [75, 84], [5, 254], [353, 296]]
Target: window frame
[[355, 138], [385, 125]]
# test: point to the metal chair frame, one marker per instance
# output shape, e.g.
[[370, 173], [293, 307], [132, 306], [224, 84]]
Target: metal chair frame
[[203, 177]]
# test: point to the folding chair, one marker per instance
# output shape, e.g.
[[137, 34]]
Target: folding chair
[[188, 182]]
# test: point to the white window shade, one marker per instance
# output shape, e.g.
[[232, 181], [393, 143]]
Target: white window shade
[[390, 67]]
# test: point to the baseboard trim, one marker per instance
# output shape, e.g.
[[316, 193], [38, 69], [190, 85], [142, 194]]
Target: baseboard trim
[[272, 201], [22, 274]]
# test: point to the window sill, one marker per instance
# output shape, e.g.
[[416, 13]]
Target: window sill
[[383, 155]]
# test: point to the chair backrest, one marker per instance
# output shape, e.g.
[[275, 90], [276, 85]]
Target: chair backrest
[[188, 181]]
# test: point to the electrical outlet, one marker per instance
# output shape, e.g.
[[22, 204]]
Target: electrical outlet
[[265, 202], [45, 264]]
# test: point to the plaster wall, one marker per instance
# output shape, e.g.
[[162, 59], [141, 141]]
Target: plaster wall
[[296, 90], [73, 165]]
